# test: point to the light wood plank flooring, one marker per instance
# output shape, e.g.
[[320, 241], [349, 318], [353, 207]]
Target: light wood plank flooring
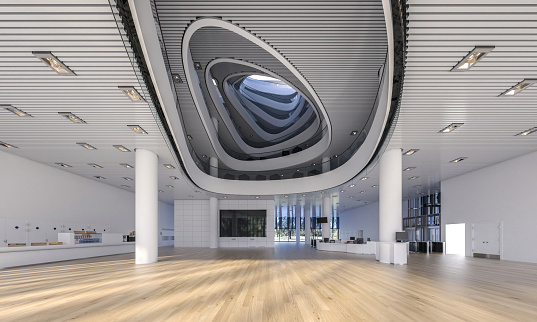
[[288, 283]]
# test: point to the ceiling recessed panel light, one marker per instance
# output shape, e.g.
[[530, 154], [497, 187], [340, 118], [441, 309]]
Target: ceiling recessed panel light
[[519, 87], [95, 165], [121, 148], [169, 186], [411, 151], [256, 197], [364, 178], [161, 191], [132, 93], [53, 62], [137, 128], [225, 197], [174, 178], [169, 166], [125, 186], [375, 186], [126, 165], [204, 156], [413, 178], [16, 111], [99, 177], [457, 160], [352, 185], [177, 79], [409, 169], [86, 146], [7, 145], [527, 132], [451, 127], [353, 133], [71, 117], [363, 191], [65, 165], [342, 191], [128, 179], [472, 58], [189, 137], [198, 66]]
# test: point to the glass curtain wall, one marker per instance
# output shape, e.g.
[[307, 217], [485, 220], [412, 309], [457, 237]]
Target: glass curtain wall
[[285, 223]]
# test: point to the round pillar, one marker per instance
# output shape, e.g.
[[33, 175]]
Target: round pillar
[[390, 195], [213, 223]]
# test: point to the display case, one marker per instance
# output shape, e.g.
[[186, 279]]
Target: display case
[[88, 237]]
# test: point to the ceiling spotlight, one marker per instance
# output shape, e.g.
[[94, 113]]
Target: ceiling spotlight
[[342, 191], [297, 170], [169, 166], [351, 185], [375, 186], [125, 186], [174, 178], [71, 117], [189, 137], [527, 132], [95, 165], [335, 155], [411, 151], [137, 128], [121, 148], [99, 177], [313, 164], [409, 169], [363, 191], [413, 178], [519, 87], [458, 160], [7, 145], [131, 93], [161, 190], [126, 165], [15, 110], [256, 197], [351, 197], [65, 165], [177, 79], [473, 57], [225, 197], [451, 127], [354, 133], [286, 196], [169, 186], [53, 62], [364, 178], [87, 146], [198, 66], [204, 156], [128, 179], [190, 196], [303, 195]]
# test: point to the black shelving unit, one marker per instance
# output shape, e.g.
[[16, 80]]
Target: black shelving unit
[[423, 222]]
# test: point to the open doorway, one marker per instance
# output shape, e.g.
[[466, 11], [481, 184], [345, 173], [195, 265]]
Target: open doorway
[[456, 239]]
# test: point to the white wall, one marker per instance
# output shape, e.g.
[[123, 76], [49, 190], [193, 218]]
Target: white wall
[[364, 218], [503, 192], [165, 224], [36, 192], [192, 220]]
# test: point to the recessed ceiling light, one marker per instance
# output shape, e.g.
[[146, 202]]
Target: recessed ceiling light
[[87, 146], [281, 175], [256, 197], [303, 195], [198, 66], [225, 197], [126, 165], [169, 186], [375, 186], [313, 164], [169, 166], [473, 57], [95, 165], [527, 132], [189, 137], [53, 62], [354, 133], [351, 197], [286, 196], [458, 159], [7, 145], [413, 178], [190, 196], [121, 148], [65, 165], [125, 186], [204, 156], [363, 191], [71, 117], [177, 79], [297, 170], [137, 128], [174, 178], [409, 169], [99, 177], [364, 178], [342, 191], [451, 127], [127, 178], [132, 93], [335, 155], [351, 185], [15, 110], [411, 151], [519, 87], [161, 190]]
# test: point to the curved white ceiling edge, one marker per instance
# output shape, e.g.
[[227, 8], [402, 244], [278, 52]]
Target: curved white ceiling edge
[[147, 34], [197, 96]]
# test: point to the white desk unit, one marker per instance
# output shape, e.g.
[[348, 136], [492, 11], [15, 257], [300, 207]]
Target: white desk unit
[[368, 248], [392, 253], [111, 244]]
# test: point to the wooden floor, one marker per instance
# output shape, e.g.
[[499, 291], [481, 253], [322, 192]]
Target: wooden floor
[[288, 283]]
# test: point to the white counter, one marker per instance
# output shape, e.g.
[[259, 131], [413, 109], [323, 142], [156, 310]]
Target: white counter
[[392, 253], [368, 248]]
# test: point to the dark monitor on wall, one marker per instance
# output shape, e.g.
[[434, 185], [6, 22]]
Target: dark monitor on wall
[[401, 236], [322, 220], [326, 240], [352, 238]]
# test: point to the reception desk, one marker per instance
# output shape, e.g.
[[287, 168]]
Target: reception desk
[[392, 253], [368, 248]]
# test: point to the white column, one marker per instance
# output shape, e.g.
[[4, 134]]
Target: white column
[[390, 195], [307, 214], [146, 206], [326, 213], [213, 223], [325, 164], [298, 212], [213, 171]]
